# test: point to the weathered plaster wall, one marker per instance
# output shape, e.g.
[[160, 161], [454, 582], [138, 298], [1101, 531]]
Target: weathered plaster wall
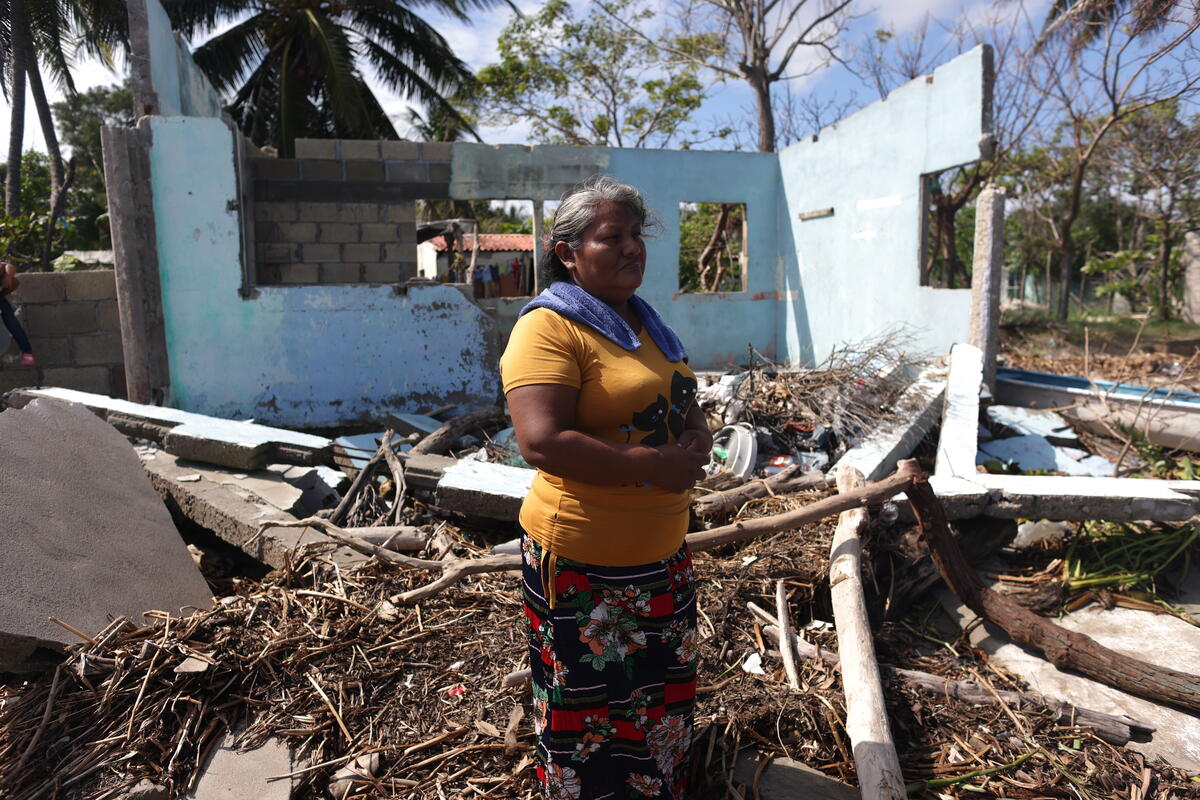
[[297, 356], [856, 272]]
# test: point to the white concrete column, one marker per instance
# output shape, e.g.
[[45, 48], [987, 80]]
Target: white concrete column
[[987, 268], [539, 209], [1190, 259]]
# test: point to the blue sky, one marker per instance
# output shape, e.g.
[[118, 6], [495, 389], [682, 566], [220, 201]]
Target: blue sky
[[476, 44]]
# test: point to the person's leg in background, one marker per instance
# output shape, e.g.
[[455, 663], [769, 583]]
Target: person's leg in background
[[18, 333]]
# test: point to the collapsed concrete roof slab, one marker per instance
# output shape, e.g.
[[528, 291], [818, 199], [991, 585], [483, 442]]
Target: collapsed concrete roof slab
[[86, 537], [228, 443]]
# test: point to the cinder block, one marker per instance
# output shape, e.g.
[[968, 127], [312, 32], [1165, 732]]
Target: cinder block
[[320, 252], [408, 269], [439, 172], [266, 232], [297, 232], [275, 212], [267, 274], [85, 379], [99, 348], [360, 252], [407, 233], [316, 148], [321, 169], [437, 151], [407, 171], [364, 170], [53, 351], [358, 212], [380, 232], [341, 273], [97, 284], [400, 252], [278, 252], [299, 273], [399, 150], [400, 212], [318, 212], [116, 378], [108, 315], [60, 318], [40, 287], [337, 232], [381, 273], [17, 378], [276, 169], [360, 149]]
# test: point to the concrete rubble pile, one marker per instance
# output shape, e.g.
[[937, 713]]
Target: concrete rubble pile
[[91, 513]]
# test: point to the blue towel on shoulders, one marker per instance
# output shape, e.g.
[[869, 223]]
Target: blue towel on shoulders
[[572, 302]]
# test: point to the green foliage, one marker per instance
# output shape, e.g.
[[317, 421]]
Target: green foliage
[[79, 122], [696, 224], [587, 82], [294, 69], [1130, 557], [21, 239]]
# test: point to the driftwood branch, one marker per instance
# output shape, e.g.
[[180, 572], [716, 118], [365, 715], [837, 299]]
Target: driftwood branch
[[792, 479], [1064, 648], [785, 649], [875, 758], [1116, 730], [906, 472], [444, 437]]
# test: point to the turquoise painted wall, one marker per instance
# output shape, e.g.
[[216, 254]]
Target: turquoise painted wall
[[307, 356]]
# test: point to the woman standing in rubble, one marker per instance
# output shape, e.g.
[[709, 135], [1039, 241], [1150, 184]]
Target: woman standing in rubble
[[601, 398]]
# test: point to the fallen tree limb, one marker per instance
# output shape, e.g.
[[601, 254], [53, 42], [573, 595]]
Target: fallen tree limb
[[906, 472], [1116, 730], [875, 758], [444, 437], [360, 480], [1064, 648], [792, 479]]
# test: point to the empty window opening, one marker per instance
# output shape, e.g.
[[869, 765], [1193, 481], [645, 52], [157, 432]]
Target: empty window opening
[[947, 229], [486, 243], [712, 247]]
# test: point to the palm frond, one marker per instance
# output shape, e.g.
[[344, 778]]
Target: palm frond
[[192, 16], [226, 58], [330, 59], [405, 79], [405, 44]]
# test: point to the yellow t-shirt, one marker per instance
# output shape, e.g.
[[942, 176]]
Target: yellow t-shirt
[[624, 396]]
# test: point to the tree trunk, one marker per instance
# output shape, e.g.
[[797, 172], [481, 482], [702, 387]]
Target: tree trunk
[[58, 178], [1164, 271], [766, 115], [16, 130], [1067, 266], [711, 249]]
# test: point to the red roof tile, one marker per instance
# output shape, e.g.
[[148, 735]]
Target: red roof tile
[[491, 242]]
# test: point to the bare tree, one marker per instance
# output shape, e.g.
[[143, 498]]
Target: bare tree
[[1089, 91], [756, 41]]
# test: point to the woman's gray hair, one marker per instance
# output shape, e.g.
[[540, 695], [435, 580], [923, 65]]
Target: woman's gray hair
[[577, 210]]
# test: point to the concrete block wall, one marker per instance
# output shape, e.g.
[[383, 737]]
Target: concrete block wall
[[343, 211], [72, 321]]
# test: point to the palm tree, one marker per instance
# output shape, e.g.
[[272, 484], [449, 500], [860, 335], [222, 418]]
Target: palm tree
[[1083, 20], [33, 33], [293, 66]]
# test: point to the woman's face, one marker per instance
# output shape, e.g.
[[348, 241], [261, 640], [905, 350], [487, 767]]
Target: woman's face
[[611, 258]]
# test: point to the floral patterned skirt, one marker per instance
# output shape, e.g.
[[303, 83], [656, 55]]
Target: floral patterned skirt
[[613, 655]]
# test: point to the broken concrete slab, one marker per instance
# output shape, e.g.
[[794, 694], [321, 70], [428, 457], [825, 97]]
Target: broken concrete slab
[[1158, 638], [1034, 452], [317, 485], [232, 775], [268, 486], [77, 514], [876, 455], [235, 517], [483, 489], [785, 779], [1071, 498], [960, 415], [229, 443], [1020, 421]]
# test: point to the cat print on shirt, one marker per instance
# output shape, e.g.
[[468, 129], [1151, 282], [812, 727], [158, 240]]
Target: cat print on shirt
[[662, 419]]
